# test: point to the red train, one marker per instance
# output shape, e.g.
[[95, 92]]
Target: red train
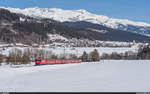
[[55, 61]]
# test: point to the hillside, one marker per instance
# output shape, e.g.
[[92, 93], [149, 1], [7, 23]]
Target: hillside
[[109, 33], [19, 28], [83, 15]]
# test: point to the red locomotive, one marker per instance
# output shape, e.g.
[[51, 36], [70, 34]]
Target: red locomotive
[[55, 61]]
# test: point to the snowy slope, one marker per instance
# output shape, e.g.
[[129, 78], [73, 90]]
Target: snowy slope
[[104, 76], [76, 15]]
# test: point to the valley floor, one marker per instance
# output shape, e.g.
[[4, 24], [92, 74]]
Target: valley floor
[[107, 75]]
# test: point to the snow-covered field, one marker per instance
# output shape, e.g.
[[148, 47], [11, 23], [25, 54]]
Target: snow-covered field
[[108, 75]]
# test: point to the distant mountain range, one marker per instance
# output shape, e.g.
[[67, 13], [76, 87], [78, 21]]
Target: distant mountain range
[[30, 26], [83, 15]]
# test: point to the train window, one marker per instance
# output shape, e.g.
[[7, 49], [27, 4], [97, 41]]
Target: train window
[[37, 59]]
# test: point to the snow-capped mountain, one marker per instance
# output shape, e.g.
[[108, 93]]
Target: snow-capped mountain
[[83, 15], [25, 29]]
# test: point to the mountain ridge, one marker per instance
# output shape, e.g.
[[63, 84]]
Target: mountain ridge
[[83, 15], [82, 11], [19, 28]]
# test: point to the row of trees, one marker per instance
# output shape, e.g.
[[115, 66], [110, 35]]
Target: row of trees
[[121, 56], [26, 56], [144, 52], [18, 56], [92, 56]]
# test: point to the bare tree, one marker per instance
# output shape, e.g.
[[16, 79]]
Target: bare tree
[[94, 56]]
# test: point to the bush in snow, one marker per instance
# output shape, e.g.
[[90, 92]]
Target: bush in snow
[[94, 55], [53, 57], [2, 58], [116, 56], [72, 56], [144, 52], [128, 55], [105, 56]]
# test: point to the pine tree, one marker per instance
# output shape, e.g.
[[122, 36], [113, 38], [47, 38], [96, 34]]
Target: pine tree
[[84, 57]]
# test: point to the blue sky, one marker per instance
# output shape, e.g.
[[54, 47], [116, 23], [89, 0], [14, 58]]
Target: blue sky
[[136, 10]]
